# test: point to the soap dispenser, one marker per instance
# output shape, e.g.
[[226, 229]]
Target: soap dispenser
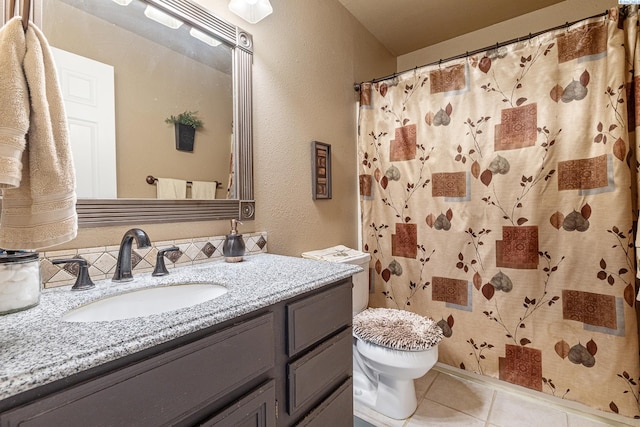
[[233, 247]]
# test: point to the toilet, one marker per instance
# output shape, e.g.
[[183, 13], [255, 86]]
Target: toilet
[[391, 348]]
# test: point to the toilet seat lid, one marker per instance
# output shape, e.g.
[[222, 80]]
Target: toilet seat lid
[[396, 329]]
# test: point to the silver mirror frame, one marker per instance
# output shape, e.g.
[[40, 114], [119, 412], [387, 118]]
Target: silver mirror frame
[[113, 212]]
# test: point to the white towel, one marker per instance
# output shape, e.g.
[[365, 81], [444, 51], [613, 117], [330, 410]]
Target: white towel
[[14, 103], [338, 253], [204, 190], [41, 212], [169, 188]]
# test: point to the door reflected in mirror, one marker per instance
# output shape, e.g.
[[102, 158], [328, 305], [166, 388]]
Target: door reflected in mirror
[[123, 70]]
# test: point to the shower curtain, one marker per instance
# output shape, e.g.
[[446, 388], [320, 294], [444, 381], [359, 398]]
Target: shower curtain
[[498, 196]]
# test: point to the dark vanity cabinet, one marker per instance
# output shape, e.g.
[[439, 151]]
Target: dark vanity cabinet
[[286, 364], [318, 342]]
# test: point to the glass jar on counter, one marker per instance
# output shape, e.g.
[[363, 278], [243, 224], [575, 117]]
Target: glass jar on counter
[[20, 281]]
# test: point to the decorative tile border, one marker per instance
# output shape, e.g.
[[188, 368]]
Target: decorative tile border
[[102, 260]]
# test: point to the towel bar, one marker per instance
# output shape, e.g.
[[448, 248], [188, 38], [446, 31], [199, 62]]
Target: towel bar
[[152, 180]]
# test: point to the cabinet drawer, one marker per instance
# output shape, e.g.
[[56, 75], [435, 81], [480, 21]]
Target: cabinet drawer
[[316, 373], [334, 410], [161, 390], [257, 409], [313, 318]]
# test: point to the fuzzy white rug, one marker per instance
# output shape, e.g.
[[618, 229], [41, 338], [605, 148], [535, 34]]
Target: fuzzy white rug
[[396, 329]]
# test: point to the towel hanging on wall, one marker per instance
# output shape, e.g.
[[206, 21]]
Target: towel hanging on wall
[[39, 199], [14, 104]]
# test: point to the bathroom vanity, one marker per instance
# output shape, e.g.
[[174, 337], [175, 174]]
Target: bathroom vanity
[[275, 350]]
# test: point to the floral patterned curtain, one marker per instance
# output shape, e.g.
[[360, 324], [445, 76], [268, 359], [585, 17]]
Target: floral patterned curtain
[[498, 197]]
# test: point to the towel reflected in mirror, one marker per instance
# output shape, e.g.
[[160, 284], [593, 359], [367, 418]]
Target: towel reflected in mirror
[[169, 188], [203, 190]]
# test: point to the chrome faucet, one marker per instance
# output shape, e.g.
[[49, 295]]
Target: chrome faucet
[[123, 267]]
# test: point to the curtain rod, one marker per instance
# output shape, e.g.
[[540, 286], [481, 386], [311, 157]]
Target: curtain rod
[[356, 86]]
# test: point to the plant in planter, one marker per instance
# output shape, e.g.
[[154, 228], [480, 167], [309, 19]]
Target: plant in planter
[[185, 124]]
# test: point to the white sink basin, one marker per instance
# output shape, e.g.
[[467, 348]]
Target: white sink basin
[[145, 302]]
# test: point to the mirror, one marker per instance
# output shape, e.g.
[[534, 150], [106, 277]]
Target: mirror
[[201, 64], [124, 67]]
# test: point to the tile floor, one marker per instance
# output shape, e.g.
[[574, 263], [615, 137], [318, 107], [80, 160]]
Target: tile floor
[[447, 399]]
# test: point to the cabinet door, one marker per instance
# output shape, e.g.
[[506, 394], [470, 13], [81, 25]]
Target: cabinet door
[[163, 390], [257, 409], [315, 374], [311, 319], [335, 410]]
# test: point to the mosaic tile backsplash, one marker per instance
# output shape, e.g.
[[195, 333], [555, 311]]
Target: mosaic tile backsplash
[[102, 260]]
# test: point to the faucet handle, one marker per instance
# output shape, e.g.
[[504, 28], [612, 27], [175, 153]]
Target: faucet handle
[[161, 269], [83, 281]]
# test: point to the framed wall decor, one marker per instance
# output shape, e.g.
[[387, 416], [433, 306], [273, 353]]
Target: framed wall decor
[[321, 170]]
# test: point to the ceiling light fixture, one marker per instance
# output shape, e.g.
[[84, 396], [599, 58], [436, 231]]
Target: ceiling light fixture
[[204, 37], [161, 17], [123, 2], [251, 11]]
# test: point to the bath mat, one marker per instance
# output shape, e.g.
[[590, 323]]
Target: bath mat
[[396, 329]]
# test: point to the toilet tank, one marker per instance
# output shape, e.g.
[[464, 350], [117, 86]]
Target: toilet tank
[[347, 255], [361, 284]]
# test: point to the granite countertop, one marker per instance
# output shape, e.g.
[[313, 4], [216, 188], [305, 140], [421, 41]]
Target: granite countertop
[[37, 347]]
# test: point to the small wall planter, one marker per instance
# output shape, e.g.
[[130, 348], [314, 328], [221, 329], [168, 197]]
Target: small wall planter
[[185, 125], [185, 136]]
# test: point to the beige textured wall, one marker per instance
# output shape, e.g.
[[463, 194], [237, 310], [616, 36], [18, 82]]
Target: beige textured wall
[[540, 20], [307, 56]]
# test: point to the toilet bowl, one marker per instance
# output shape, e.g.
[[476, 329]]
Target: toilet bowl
[[384, 372], [387, 362], [383, 378]]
